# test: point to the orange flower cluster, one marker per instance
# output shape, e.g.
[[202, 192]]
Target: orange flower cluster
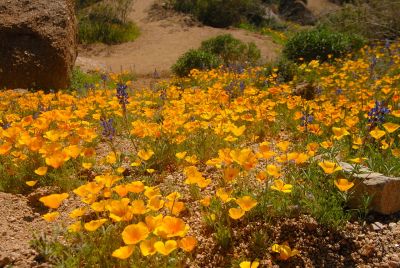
[[248, 128]]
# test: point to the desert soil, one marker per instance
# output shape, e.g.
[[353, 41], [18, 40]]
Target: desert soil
[[164, 37], [373, 243], [18, 223], [321, 7]]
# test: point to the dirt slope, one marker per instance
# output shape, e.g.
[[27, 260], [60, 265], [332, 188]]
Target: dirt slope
[[321, 7], [164, 37], [18, 223]]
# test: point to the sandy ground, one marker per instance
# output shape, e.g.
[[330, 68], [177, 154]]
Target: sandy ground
[[18, 222], [165, 36], [321, 7]]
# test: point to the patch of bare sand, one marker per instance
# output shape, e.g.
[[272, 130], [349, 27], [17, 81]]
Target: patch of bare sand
[[321, 7], [21, 222], [18, 222], [165, 36]]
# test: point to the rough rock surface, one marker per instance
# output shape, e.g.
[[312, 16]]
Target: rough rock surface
[[296, 10], [38, 45], [383, 190]]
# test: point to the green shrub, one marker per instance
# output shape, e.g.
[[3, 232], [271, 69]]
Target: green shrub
[[222, 13], [232, 50], [372, 19], [80, 4], [287, 69], [320, 44], [223, 49], [195, 59], [284, 68], [80, 79], [105, 32], [186, 6], [106, 23]]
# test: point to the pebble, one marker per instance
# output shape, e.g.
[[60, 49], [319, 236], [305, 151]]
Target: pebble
[[377, 226], [368, 250], [4, 260], [394, 264], [311, 226], [14, 256], [392, 225]]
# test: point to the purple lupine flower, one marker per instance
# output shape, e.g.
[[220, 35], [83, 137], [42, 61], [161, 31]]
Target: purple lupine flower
[[88, 86], [104, 77], [229, 88], [372, 65], [306, 119], [318, 90], [5, 125], [108, 128], [240, 69], [122, 94], [242, 86], [377, 114], [339, 91], [36, 115]]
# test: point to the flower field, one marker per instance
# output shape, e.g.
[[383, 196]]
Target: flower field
[[171, 175]]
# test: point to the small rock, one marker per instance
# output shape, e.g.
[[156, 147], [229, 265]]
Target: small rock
[[382, 189], [392, 225], [15, 256], [367, 250], [377, 226], [4, 260], [394, 264], [311, 225]]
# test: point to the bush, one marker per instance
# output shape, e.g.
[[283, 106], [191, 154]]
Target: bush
[[232, 50], [284, 68], [320, 44], [105, 32], [106, 23], [195, 59], [80, 4], [287, 69], [372, 19], [222, 13], [223, 49]]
